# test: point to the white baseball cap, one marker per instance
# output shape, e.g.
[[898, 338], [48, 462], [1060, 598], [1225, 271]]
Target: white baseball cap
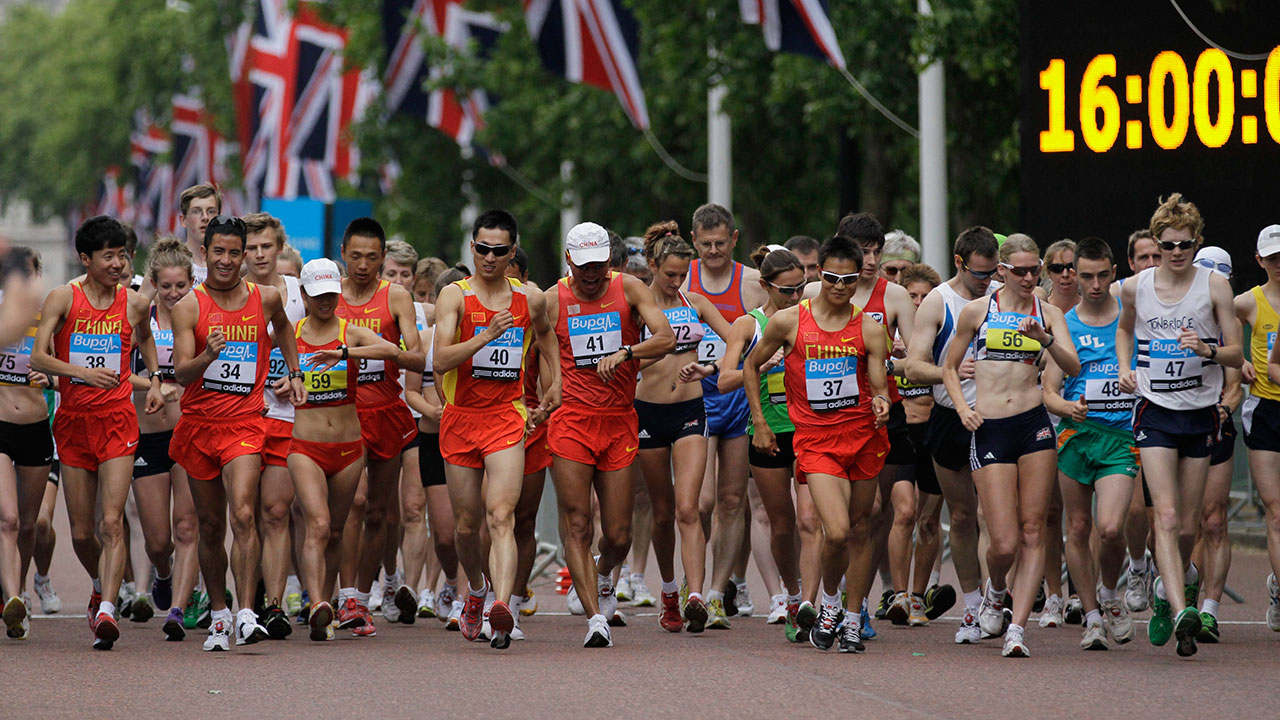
[[1269, 241], [321, 276], [1216, 259], [587, 243]]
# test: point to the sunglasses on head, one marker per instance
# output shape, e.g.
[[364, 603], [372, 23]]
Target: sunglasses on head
[[1223, 268], [1182, 245], [979, 274], [838, 279], [787, 289], [483, 249], [1060, 267], [1033, 271], [226, 221]]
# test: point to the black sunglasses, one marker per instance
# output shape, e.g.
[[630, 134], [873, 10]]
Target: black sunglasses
[[1061, 267], [1033, 271], [787, 289], [1182, 245], [979, 274], [226, 221], [497, 250], [838, 279]]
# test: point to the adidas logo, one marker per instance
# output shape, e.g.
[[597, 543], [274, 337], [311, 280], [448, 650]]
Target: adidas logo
[[988, 456], [644, 435], [139, 463], [1140, 436]]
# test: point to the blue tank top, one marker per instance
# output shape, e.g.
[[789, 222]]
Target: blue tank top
[[1098, 380]]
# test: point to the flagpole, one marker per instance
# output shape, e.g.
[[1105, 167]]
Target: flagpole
[[719, 136], [570, 207], [471, 210], [934, 237]]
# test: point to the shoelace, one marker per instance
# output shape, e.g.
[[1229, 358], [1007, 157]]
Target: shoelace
[[828, 620]]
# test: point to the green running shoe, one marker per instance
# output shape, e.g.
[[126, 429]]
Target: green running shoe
[[206, 611], [1186, 628], [1192, 593], [191, 613], [1208, 628], [806, 616], [792, 628], [684, 593], [1160, 628], [717, 620]]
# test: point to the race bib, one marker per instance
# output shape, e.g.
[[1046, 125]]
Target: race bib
[[712, 346], [324, 386], [594, 337], [276, 367], [1105, 395], [93, 351], [235, 370], [832, 383], [15, 361], [164, 352], [684, 323], [1171, 368], [1004, 342], [501, 358], [907, 390], [372, 371], [773, 384]]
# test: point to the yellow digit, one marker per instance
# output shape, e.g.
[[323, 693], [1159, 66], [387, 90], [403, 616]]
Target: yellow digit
[[1271, 94], [1211, 62], [1095, 97], [1057, 138], [1169, 136]]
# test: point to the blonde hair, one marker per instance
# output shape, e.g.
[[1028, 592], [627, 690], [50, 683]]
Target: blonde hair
[[1017, 243], [289, 253], [402, 253], [168, 251], [1177, 214], [919, 273], [261, 222], [1058, 247]]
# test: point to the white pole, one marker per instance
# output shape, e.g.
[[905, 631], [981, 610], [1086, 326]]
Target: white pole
[[570, 209], [935, 239], [470, 211], [719, 149]]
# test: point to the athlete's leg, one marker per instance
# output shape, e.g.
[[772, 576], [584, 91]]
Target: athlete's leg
[[46, 535], [1264, 465], [811, 543], [504, 474], [466, 497], [32, 487], [928, 540], [1113, 493], [80, 489], [186, 537], [352, 539], [1136, 526], [573, 495], [1036, 476], [10, 557], [730, 516], [613, 490], [1077, 502], [641, 525], [151, 495], [902, 498], [526, 529], [277, 498], [761, 543], [861, 569], [379, 514], [774, 487], [1213, 524], [1053, 545], [998, 494], [1177, 491], [413, 514], [831, 498], [114, 477], [240, 478], [654, 465], [393, 534], [707, 496], [962, 510]]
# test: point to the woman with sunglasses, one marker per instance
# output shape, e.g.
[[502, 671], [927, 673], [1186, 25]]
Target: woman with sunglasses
[[1012, 454], [1175, 314], [673, 424]]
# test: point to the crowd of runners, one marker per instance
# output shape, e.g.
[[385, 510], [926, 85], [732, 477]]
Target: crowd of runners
[[376, 432]]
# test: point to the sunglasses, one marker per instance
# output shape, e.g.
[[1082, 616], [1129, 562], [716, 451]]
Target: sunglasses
[[497, 250], [1033, 271], [837, 279], [1183, 245], [226, 221], [979, 274], [889, 269], [1060, 267], [788, 289], [1223, 268]]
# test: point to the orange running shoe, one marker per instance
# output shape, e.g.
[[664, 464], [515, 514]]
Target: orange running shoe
[[501, 623], [366, 629], [670, 619], [95, 601], [349, 614], [471, 616], [105, 632]]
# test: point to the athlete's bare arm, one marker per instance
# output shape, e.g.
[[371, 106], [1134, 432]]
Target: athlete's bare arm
[[549, 348], [901, 316], [660, 342], [735, 343], [139, 312], [753, 296], [708, 314], [187, 366], [966, 328], [273, 308], [919, 368], [450, 352], [362, 344], [1063, 349], [777, 337], [1124, 337], [401, 303], [52, 315], [877, 355], [1246, 306], [1051, 379]]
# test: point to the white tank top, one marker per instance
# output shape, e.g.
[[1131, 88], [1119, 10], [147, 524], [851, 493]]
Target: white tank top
[[276, 408], [420, 317], [952, 304], [1168, 375]]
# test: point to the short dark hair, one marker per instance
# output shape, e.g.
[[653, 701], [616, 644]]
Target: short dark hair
[[711, 216], [365, 227], [496, 220], [841, 247], [99, 233], [862, 228], [520, 259], [130, 239], [617, 251], [977, 240], [1093, 248], [1137, 235], [801, 243], [226, 225]]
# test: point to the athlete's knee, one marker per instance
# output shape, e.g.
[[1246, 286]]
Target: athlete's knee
[[9, 523], [1110, 532], [783, 525], [1079, 527], [1167, 520], [1214, 523], [615, 540], [111, 529], [158, 548], [275, 514], [501, 517], [243, 519], [730, 500], [1271, 511], [44, 526], [686, 514]]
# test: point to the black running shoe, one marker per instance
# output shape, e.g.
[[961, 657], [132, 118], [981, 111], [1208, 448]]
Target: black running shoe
[[937, 600], [277, 623], [731, 598], [885, 598], [1041, 599], [851, 638], [823, 634]]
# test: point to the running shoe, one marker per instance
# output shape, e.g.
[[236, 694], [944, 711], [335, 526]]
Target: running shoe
[[969, 632], [191, 613], [105, 631], [1192, 593], [792, 628], [204, 609], [142, 608], [684, 592], [277, 623], [916, 615], [366, 628], [1073, 611], [670, 618], [1185, 629], [390, 610], [260, 600], [49, 601], [598, 633], [1015, 646], [24, 630], [1160, 627], [1273, 608], [426, 604], [174, 629], [161, 590], [806, 616], [292, 596], [1051, 615], [730, 599], [375, 593], [472, 612], [899, 608], [695, 613], [1095, 637], [882, 608], [529, 603], [991, 613], [623, 589], [1137, 592], [868, 632], [248, 631], [823, 634], [15, 611], [516, 632], [574, 602], [640, 595], [717, 618], [501, 623], [124, 599], [319, 620], [851, 638], [303, 615], [485, 632], [406, 601], [219, 636], [606, 598], [938, 599], [444, 602], [349, 614], [95, 601], [1118, 621], [1041, 598], [743, 601], [453, 618], [1208, 629], [777, 610]]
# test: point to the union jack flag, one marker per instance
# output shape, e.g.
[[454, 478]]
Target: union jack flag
[[802, 27], [592, 42], [115, 198], [154, 205]]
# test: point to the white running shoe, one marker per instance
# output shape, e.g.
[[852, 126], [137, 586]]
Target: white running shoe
[[1118, 621], [598, 633], [526, 605], [1137, 592], [1273, 609], [486, 631], [516, 633], [969, 632], [745, 606], [623, 589], [390, 612], [777, 610], [427, 604], [248, 631], [575, 602], [608, 599], [219, 636], [991, 614], [444, 602], [453, 619], [1015, 646], [49, 600], [1051, 616], [640, 595], [1095, 637], [124, 599]]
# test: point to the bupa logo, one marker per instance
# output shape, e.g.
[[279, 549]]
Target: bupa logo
[[95, 344], [239, 352], [594, 323], [1005, 319], [1101, 368], [680, 316]]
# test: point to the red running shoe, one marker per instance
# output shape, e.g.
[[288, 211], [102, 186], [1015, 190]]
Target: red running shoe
[[471, 616], [501, 623], [367, 629], [321, 616], [349, 614], [95, 601], [670, 619], [105, 632]]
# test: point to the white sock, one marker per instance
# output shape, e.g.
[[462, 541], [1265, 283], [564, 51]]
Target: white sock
[[604, 581], [477, 592], [713, 595], [1052, 598], [1160, 591], [670, 587], [793, 599], [972, 599], [1107, 594], [362, 598], [1209, 607], [934, 577], [1092, 616], [694, 595], [737, 580], [41, 578], [107, 607], [97, 585], [345, 594], [224, 614], [1137, 565], [1192, 575], [830, 600]]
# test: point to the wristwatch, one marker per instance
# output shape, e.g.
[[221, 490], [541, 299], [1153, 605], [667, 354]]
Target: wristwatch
[[627, 349], [889, 366], [295, 374]]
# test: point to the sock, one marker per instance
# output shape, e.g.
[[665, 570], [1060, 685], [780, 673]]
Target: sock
[[843, 584], [1192, 575], [1092, 616], [362, 598], [626, 570], [972, 599], [714, 595], [670, 587], [1160, 591], [345, 594], [853, 619], [934, 577], [108, 608], [737, 580], [477, 592], [97, 585], [293, 580], [451, 586], [41, 578], [396, 579], [165, 577], [1106, 594], [831, 600], [224, 614], [1052, 599], [1209, 607], [994, 594], [693, 595], [1137, 565], [793, 599]]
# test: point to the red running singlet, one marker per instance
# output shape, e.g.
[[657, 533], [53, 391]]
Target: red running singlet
[[876, 309], [333, 387], [379, 383], [825, 373], [232, 384], [93, 338], [493, 376], [729, 302], [590, 331]]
